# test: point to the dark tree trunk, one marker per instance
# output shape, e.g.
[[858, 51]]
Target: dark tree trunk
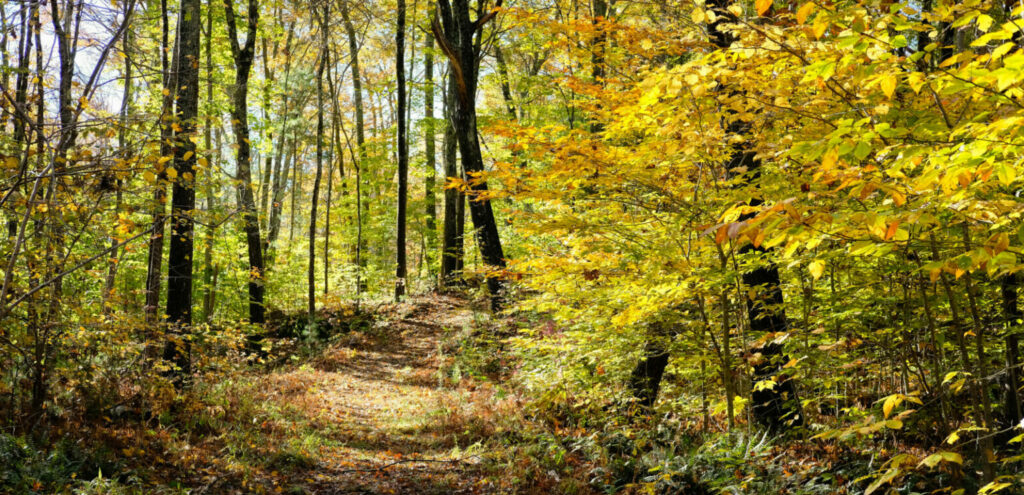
[[460, 38], [243, 56], [451, 251], [268, 161], [1012, 315], [208, 270], [155, 255], [403, 154], [775, 408], [357, 90], [311, 272], [179, 260], [429, 182], [645, 380], [335, 152]]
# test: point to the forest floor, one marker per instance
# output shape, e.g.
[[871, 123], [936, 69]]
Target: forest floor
[[370, 412], [389, 409]]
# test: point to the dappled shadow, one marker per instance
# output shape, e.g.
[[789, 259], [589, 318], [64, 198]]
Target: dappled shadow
[[370, 413], [387, 410]]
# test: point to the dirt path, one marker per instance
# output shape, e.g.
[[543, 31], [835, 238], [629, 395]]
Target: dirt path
[[374, 415]]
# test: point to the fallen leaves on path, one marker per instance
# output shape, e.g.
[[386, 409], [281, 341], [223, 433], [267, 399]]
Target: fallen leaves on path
[[369, 412]]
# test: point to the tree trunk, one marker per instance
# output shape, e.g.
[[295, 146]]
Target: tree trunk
[[208, 276], [776, 408], [282, 155], [179, 260], [451, 239], [155, 255], [506, 88], [645, 380], [1012, 315], [268, 161], [243, 56], [311, 275], [334, 152], [430, 181], [357, 89], [460, 39], [403, 155]]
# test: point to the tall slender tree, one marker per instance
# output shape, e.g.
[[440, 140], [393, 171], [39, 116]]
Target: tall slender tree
[[243, 56], [311, 274], [209, 277], [451, 237], [429, 137], [403, 154], [183, 201], [357, 90], [282, 151], [155, 255], [461, 37]]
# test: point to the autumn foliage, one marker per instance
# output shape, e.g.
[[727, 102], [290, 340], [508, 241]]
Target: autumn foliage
[[713, 246]]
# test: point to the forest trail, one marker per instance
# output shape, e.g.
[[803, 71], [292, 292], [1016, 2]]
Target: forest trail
[[379, 416]]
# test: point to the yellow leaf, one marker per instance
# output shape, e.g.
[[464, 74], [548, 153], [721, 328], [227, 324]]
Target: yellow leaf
[[817, 268], [915, 80], [890, 402], [1002, 50], [11, 162], [829, 160], [805, 10], [149, 176], [1006, 174], [888, 84], [984, 22], [203, 162], [163, 160], [819, 27], [188, 154], [697, 16], [762, 6], [171, 173]]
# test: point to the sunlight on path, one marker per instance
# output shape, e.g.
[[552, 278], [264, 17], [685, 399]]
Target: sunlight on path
[[381, 410]]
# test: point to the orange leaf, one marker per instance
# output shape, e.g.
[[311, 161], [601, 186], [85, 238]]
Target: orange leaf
[[891, 231]]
